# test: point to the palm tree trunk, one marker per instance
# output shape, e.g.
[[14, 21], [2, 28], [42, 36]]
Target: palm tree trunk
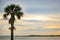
[[12, 27], [12, 34], [12, 30]]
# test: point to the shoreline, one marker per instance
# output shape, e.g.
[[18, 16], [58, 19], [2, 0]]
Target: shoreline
[[35, 36]]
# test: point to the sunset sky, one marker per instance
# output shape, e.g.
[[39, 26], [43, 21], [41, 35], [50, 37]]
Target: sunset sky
[[41, 17]]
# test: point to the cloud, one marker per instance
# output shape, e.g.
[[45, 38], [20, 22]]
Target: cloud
[[52, 26], [35, 19]]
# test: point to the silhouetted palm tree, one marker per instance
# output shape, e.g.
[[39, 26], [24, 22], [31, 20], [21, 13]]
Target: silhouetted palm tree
[[13, 10]]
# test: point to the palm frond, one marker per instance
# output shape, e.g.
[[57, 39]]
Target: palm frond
[[12, 6], [17, 8], [7, 9], [5, 16], [19, 15], [13, 10]]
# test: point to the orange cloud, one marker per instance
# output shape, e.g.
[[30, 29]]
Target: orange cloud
[[52, 26]]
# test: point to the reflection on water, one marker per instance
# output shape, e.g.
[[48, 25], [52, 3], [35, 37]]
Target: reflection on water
[[31, 38]]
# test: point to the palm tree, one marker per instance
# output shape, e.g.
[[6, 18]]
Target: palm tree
[[13, 10]]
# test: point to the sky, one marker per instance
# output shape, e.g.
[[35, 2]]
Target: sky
[[41, 17]]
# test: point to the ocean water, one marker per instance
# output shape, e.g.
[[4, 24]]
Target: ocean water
[[31, 38]]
